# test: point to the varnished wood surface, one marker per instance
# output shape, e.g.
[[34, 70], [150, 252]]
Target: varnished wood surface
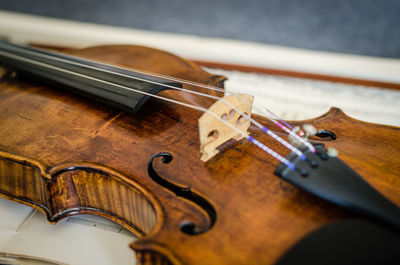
[[83, 157]]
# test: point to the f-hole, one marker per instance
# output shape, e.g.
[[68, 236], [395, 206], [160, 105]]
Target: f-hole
[[186, 226]]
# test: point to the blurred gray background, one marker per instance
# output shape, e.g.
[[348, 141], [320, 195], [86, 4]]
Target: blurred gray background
[[367, 27]]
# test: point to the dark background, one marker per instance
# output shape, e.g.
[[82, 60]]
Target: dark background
[[367, 27]]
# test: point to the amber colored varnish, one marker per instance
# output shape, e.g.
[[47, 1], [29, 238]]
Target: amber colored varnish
[[67, 155]]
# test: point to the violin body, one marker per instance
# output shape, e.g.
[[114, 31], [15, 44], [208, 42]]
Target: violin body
[[65, 155]]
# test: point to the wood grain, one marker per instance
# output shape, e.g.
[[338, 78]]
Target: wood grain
[[83, 157]]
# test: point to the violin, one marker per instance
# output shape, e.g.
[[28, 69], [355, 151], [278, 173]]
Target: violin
[[150, 141]]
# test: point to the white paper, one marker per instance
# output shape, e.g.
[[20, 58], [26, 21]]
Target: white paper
[[78, 240], [301, 99]]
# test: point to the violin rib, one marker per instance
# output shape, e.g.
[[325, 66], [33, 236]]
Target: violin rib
[[67, 189]]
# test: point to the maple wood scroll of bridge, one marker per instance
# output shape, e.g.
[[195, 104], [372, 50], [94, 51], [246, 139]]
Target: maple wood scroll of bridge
[[214, 132]]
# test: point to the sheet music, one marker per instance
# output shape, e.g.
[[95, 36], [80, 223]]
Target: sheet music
[[78, 240], [301, 99]]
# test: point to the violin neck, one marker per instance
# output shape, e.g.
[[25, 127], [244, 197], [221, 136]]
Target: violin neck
[[111, 85]]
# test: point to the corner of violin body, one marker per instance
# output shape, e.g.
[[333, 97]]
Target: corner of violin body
[[335, 114], [149, 252]]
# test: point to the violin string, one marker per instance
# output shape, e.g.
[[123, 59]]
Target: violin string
[[209, 87], [291, 132], [278, 118], [263, 128], [287, 130], [202, 109]]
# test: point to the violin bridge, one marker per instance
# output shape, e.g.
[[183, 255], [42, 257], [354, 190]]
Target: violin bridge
[[213, 132]]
